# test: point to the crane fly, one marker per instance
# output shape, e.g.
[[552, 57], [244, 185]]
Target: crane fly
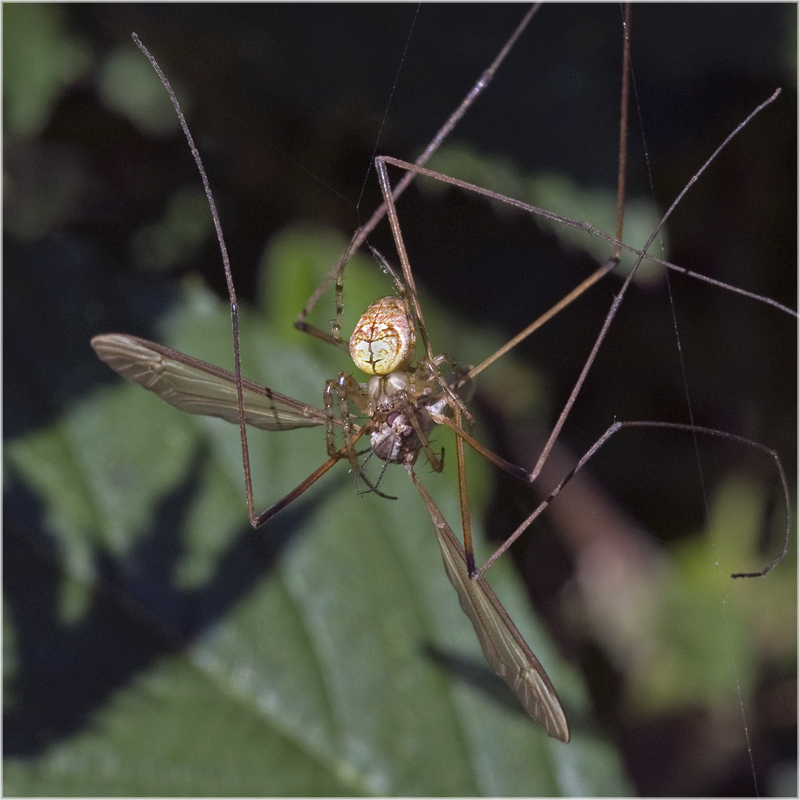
[[403, 401], [403, 410]]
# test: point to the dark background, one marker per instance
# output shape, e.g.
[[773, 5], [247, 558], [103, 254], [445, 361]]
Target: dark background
[[286, 103]]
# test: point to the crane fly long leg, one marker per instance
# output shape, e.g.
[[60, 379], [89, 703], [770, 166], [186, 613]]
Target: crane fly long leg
[[501, 642]]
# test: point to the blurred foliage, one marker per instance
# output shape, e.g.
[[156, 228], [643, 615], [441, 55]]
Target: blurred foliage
[[40, 62]]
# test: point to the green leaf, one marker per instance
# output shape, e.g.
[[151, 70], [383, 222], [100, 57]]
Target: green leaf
[[323, 654]]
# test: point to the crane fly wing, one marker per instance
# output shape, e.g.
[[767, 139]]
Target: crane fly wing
[[200, 388], [501, 642]]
